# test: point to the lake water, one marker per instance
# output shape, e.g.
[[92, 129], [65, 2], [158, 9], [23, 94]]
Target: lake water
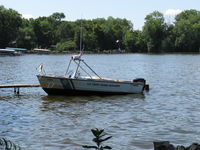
[[169, 111]]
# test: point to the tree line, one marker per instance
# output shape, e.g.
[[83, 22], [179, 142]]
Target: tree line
[[53, 32]]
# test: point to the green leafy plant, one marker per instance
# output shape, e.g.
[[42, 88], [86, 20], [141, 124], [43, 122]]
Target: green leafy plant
[[8, 145], [99, 139]]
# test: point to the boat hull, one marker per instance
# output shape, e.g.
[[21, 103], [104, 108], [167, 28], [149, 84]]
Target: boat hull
[[79, 92], [69, 86]]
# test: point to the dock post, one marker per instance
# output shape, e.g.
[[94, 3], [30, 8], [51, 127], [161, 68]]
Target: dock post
[[18, 91]]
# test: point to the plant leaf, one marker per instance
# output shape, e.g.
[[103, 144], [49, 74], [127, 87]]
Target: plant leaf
[[102, 135], [101, 131], [107, 147], [101, 140], [96, 132]]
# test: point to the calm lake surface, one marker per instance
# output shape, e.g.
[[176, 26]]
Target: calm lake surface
[[169, 111]]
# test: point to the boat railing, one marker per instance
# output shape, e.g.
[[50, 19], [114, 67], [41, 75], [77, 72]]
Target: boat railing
[[77, 60]]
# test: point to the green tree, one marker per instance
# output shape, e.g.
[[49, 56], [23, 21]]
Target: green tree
[[168, 42], [133, 41], [89, 37], [65, 31], [26, 36], [85, 29], [65, 45], [111, 30], [153, 30], [47, 30], [187, 31], [100, 37], [10, 22], [58, 16], [44, 32]]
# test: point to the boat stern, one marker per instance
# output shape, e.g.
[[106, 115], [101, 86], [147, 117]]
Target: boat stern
[[140, 82]]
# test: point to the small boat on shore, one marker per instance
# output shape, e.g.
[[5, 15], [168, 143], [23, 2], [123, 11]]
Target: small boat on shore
[[41, 51], [76, 84], [8, 52]]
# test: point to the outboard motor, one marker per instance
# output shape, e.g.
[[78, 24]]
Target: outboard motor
[[141, 80]]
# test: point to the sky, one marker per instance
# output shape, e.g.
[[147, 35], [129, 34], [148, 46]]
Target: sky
[[133, 10]]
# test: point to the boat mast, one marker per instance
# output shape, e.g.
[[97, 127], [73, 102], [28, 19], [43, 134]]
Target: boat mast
[[79, 60], [81, 34]]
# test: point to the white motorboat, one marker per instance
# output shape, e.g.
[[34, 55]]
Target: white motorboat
[[77, 84]]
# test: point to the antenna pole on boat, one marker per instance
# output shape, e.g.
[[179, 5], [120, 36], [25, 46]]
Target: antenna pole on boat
[[91, 69], [81, 34]]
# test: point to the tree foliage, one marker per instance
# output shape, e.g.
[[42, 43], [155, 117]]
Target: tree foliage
[[65, 45], [58, 16], [153, 31], [10, 22], [101, 34], [26, 36], [187, 31]]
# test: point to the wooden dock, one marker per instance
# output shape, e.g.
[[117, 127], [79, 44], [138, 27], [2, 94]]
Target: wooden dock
[[18, 86]]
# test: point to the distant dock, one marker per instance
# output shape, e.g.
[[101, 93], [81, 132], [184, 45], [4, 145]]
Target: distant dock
[[18, 86]]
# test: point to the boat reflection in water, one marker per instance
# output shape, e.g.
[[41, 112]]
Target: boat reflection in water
[[76, 84]]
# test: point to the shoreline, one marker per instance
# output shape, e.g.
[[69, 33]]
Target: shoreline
[[110, 52], [54, 52]]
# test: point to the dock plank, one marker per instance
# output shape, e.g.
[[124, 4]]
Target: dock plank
[[19, 85]]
